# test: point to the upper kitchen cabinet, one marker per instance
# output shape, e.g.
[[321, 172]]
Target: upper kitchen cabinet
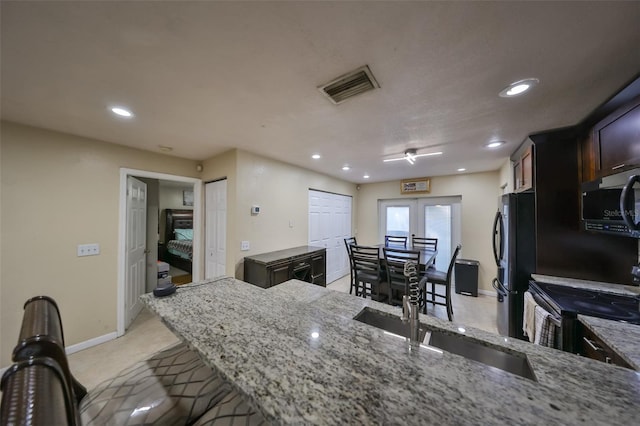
[[615, 141], [523, 172]]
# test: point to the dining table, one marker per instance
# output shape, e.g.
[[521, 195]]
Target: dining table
[[427, 256], [427, 259]]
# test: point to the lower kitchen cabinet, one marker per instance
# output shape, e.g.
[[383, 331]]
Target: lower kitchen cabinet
[[592, 346], [305, 263]]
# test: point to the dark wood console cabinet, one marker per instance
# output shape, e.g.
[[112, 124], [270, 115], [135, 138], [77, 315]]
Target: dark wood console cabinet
[[305, 263]]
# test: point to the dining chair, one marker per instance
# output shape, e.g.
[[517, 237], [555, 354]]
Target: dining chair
[[394, 260], [395, 241], [425, 243], [348, 242], [438, 278], [367, 268]]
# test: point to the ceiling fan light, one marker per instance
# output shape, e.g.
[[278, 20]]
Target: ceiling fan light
[[411, 153]]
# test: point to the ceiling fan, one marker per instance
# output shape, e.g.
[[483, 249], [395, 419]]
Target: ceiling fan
[[410, 155]]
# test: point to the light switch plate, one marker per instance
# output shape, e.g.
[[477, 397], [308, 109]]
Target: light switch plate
[[244, 245]]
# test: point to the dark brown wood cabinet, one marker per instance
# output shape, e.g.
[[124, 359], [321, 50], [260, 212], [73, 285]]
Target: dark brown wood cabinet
[[616, 140], [592, 346], [563, 248], [523, 173], [305, 263]]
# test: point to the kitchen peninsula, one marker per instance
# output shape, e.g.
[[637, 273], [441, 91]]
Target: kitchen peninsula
[[299, 357]]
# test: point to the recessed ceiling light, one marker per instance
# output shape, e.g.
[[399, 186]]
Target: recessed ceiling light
[[122, 112], [165, 148], [494, 144], [316, 156], [365, 177], [345, 168], [518, 87], [462, 169]]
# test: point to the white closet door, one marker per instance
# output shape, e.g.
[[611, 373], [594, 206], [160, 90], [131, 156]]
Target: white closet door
[[329, 225], [216, 228]]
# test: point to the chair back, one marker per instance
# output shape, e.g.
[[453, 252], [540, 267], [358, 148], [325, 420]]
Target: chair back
[[366, 260], [395, 241], [348, 242], [453, 262], [425, 243], [41, 335], [36, 392], [395, 260]]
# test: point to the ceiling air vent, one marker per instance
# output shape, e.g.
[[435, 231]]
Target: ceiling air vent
[[350, 85]]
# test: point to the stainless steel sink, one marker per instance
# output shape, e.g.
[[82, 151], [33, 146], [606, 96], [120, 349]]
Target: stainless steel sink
[[517, 364], [514, 363], [387, 322]]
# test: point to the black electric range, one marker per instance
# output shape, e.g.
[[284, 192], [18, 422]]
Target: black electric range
[[565, 303]]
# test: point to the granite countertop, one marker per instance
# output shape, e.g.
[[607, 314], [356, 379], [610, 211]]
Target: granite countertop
[[591, 285], [624, 338], [299, 357], [275, 256]]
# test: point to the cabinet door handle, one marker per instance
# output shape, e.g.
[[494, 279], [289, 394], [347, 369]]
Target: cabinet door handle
[[619, 166], [593, 345]]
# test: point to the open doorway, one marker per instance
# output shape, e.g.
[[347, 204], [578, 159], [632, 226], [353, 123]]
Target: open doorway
[[187, 193]]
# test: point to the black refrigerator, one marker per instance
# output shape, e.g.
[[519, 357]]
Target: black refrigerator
[[514, 249]]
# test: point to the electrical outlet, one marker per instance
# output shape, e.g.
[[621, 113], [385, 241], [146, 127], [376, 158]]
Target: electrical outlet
[[88, 249], [244, 245]]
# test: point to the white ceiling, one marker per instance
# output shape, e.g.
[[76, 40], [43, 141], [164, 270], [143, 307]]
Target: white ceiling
[[204, 77]]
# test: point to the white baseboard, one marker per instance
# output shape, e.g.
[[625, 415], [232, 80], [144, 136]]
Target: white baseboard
[[80, 346], [91, 342]]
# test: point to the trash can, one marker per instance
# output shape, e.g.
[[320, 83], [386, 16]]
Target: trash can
[[467, 277]]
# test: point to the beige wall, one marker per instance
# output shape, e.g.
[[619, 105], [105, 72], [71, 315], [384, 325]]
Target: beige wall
[[506, 177], [282, 192], [479, 192], [59, 191], [171, 196]]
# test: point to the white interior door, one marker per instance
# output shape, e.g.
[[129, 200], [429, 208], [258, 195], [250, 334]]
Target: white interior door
[[329, 225], [136, 247], [216, 228]]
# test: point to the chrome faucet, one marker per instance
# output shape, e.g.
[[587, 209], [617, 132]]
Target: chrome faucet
[[410, 303]]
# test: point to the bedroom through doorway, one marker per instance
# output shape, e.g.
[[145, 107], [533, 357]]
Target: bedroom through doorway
[[170, 238]]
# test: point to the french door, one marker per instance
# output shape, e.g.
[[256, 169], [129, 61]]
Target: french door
[[433, 217]]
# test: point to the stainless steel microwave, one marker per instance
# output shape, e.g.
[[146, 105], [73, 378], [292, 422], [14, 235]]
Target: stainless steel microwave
[[612, 204]]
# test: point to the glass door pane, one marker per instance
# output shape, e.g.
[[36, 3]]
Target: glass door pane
[[437, 224], [398, 221]]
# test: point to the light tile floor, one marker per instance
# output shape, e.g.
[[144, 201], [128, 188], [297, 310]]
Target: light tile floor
[[479, 312], [147, 335]]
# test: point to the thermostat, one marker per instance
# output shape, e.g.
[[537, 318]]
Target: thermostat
[[255, 209]]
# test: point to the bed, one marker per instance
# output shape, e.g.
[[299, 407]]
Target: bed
[[178, 247]]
